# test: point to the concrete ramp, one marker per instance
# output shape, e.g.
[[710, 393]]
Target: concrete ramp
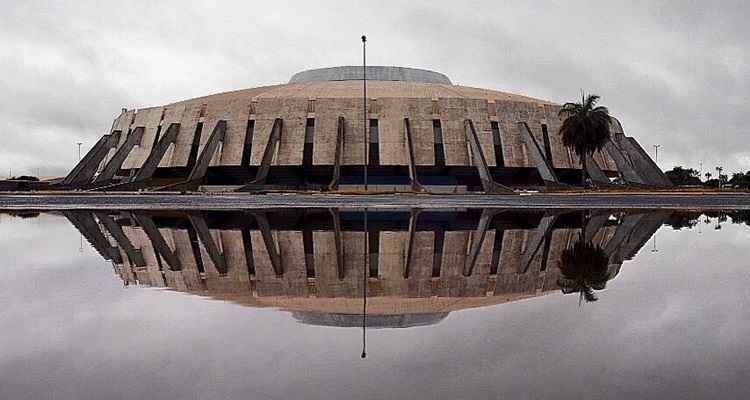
[[536, 155], [85, 170], [595, 173], [624, 164], [645, 167]]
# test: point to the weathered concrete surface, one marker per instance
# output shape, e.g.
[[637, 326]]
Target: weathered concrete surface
[[244, 201], [148, 119], [393, 94]]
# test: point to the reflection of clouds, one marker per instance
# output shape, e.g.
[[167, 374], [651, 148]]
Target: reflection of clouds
[[671, 325]]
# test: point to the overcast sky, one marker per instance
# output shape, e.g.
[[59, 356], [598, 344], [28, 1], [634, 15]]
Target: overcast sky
[[674, 72]]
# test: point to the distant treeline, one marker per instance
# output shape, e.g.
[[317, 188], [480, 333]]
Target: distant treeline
[[689, 177]]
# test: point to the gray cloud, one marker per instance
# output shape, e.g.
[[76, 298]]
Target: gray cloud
[[674, 72]]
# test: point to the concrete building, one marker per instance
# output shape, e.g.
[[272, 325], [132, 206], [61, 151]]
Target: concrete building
[[418, 132], [417, 265]]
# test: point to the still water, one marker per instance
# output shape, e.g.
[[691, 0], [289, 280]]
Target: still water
[[456, 304]]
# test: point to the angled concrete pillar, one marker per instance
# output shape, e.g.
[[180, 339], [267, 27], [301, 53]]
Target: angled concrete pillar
[[115, 230], [269, 242], [157, 153], [536, 155], [212, 248], [614, 247], [114, 165], [273, 140], [541, 233], [216, 138], [89, 164], [337, 237], [477, 239], [195, 178], [645, 167], [413, 219], [157, 241], [88, 227], [623, 163], [595, 224], [595, 173], [415, 185], [488, 183], [340, 131]]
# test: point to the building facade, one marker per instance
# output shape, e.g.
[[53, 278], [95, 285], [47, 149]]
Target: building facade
[[418, 131], [417, 265]]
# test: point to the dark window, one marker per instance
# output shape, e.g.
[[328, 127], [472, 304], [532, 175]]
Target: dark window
[[437, 131], [307, 153], [247, 242], [373, 239], [194, 147], [547, 145], [497, 249], [374, 139], [247, 150], [307, 245], [437, 256], [497, 141], [156, 137], [195, 246]]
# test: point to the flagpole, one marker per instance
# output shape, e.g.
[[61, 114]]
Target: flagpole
[[364, 107], [366, 269]]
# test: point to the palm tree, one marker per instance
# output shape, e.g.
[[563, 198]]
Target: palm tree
[[583, 269], [585, 128]]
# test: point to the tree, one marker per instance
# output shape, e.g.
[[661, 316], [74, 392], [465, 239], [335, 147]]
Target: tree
[[708, 176], [583, 269], [585, 128], [681, 176], [740, 180]]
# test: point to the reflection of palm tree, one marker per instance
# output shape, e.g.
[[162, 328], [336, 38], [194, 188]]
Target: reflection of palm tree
[[584, 269]]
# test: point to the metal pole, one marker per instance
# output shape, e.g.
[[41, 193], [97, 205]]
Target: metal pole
[[364, 106], [366, 271], [656, 156], [79, 150], [365, 276]]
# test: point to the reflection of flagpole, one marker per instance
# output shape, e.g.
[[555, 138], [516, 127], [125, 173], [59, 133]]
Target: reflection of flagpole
[[365, 273]]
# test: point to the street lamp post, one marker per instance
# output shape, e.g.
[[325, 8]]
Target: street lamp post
[[79, 150], [656, 153]]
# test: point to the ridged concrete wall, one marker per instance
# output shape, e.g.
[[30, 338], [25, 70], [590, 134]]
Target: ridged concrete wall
[[388, 101], [526, 266]]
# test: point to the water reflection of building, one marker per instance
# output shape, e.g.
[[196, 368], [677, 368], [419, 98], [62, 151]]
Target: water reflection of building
[[421, 264]]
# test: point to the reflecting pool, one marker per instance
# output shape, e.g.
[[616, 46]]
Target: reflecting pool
[[383, 303]]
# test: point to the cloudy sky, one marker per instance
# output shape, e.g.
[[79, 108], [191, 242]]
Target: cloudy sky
[[671, 324], [674, 72]]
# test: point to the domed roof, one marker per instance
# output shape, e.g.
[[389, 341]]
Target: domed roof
[[374, 73]]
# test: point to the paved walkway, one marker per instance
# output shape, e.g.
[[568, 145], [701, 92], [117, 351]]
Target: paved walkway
[[240, 201]]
